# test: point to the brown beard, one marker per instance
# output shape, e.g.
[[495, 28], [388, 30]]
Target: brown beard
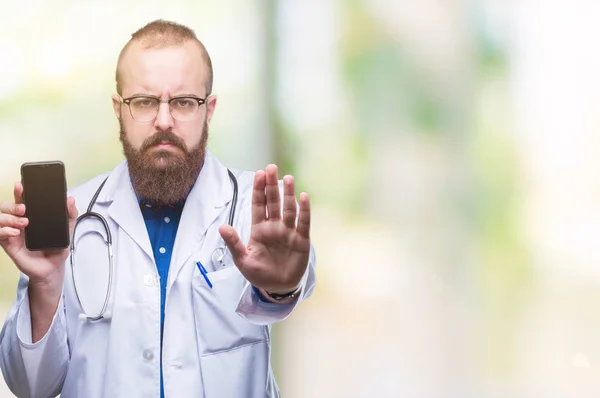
[[160, 176]]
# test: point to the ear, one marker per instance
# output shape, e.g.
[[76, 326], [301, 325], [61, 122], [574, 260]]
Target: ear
[[116, 102], [211, 104]]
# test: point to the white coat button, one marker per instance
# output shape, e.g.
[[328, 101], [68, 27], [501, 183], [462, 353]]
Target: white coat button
[[149, 280], [167, 220], [148, 355], [162, 250]]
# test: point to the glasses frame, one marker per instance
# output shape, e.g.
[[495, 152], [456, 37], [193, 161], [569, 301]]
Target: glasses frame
[[127, 101]]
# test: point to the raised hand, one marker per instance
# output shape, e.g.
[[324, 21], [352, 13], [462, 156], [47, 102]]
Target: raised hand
[[40, 266], [278, 249]]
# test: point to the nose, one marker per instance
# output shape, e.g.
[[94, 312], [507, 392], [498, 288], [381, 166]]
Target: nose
[[164, 120]]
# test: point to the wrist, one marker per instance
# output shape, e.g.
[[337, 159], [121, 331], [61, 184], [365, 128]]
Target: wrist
[[49, 286], [284, 290], [283, 295]]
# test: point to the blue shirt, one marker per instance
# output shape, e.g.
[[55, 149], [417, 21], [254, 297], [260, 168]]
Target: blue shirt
[[162, 223]]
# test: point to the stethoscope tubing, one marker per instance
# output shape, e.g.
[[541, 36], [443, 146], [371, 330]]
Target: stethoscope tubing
[[104, 313]]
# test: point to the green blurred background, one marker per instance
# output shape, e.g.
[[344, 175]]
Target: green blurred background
[[449, 148]]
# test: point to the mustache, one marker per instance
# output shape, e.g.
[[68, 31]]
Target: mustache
[[163, 137]]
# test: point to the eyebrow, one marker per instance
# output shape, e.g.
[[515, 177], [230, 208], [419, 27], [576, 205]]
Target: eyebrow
[[187, 95], [143, 95]]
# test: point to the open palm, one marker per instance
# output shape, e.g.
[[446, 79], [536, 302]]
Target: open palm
[[278, 248]]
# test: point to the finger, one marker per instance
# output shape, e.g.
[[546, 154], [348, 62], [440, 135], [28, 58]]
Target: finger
[[234, 244], [259, 200], [12, 208], [18, 193], [304, 216], [73, 213], [9, 220], [72, 209], [289, 202], [272, 192], [8, 232]]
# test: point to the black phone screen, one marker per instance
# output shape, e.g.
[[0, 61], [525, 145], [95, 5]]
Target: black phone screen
[[45, 199]]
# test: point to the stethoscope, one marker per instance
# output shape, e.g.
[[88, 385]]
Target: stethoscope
[[217, 255]]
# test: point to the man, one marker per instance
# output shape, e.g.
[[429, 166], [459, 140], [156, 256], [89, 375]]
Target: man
[[182, 320]]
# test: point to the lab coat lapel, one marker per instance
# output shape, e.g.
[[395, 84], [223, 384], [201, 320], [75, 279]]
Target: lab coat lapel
[[125, 208], [207, 200]]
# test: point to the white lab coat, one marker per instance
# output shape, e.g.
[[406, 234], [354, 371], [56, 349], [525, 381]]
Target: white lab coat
[[216, 341]]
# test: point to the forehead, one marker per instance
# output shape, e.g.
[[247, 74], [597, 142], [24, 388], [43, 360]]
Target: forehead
[[169, 70]]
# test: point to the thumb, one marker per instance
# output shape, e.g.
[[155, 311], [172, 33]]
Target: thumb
[[72, 210], [234, 243]]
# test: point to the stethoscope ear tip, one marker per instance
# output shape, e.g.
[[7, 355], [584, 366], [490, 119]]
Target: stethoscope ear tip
[[107, 315], [82, 317]]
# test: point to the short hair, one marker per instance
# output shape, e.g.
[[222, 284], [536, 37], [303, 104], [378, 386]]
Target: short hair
[[161, 33]]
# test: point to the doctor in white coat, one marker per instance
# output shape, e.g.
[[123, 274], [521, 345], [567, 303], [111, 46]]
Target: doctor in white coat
[[202, 327]]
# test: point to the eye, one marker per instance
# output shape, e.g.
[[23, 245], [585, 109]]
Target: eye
[[184, 103], [144, 102]]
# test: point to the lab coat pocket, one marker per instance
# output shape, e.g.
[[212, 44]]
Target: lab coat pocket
[[240, 372], [218, 326]]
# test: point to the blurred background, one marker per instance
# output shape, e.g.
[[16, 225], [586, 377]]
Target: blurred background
[[450, 148]]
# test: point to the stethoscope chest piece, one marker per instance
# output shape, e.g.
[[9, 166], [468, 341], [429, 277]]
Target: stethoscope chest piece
[[218, 255]]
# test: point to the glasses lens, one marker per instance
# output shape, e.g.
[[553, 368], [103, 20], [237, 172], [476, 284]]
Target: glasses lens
[[144, 109], [184, 109]]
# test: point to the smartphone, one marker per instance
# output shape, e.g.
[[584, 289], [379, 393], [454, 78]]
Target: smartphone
[[45, 199]]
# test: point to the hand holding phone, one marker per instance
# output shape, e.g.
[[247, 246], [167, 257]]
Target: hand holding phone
[[39, 265], [45, 199]]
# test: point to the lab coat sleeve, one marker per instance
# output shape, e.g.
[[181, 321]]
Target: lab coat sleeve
[[259, 312], [33, 369]]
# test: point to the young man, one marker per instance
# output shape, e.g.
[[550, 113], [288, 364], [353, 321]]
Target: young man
[[184, 317]]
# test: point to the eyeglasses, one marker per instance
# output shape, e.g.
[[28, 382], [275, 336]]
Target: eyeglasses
[[145, 108]]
